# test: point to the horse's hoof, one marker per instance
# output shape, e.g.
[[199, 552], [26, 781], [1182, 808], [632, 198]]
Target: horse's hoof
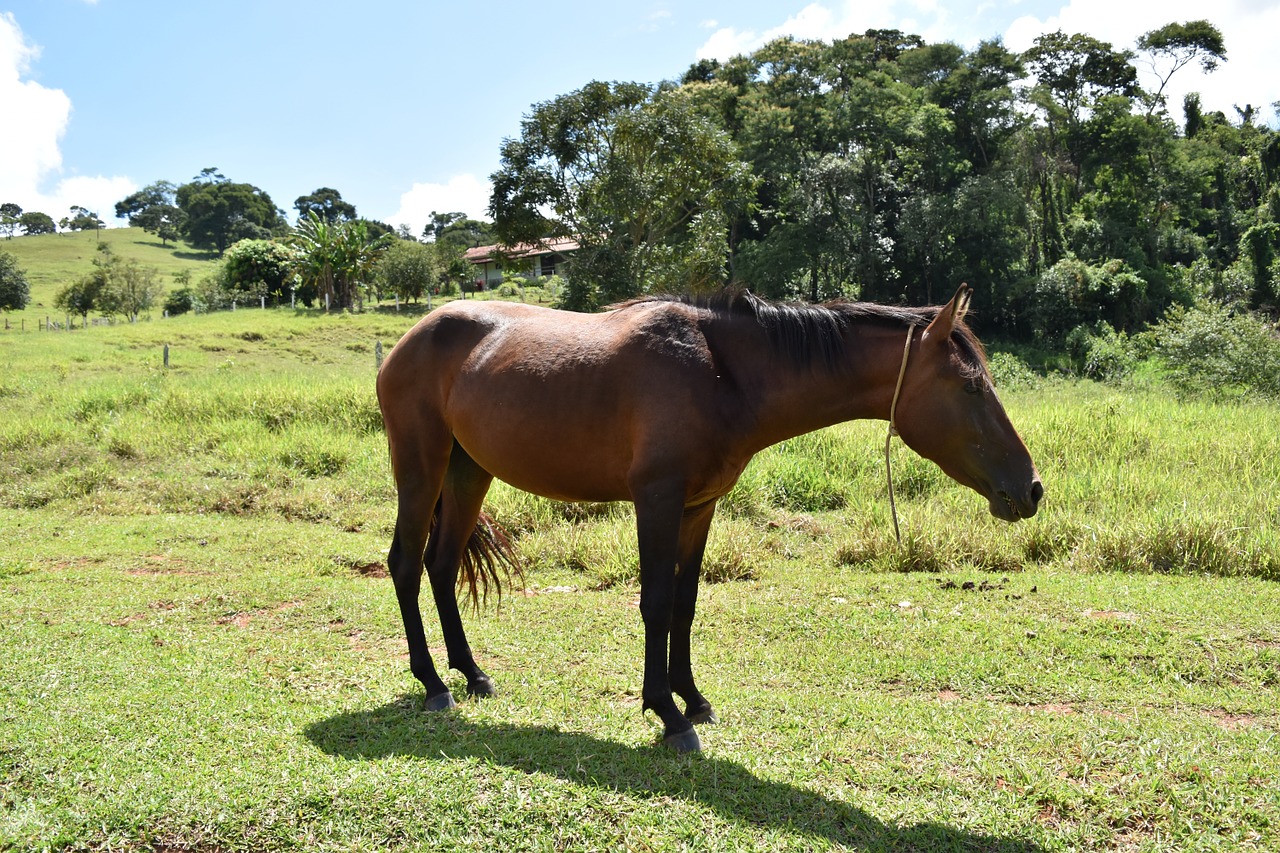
[[708, 716], [683, 742], [440, 702], [482, 686]]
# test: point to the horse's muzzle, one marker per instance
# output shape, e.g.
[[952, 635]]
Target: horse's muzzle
[[1011, 507]]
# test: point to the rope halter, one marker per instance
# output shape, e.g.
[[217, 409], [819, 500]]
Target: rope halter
[[893, 430]]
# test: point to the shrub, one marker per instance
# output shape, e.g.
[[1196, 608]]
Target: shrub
[[179, 301], [1072, 293], [1009, 372], [1210, 348], [1102, 353]]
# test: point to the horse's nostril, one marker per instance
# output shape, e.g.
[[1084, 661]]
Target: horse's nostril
[[1037, 491]]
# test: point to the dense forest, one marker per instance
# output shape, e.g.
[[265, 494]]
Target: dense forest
[[883, 167]]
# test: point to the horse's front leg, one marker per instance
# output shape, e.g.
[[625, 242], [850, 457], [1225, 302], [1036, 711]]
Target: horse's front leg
[[658, 513], [693, 544]]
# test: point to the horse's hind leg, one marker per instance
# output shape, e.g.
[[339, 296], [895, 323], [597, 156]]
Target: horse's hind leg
[[420, 471], [465, 486]]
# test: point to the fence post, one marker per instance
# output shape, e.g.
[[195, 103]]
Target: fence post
[[166, 356], [377, 354]]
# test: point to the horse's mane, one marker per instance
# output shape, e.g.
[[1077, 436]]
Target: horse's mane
[[806, 332]]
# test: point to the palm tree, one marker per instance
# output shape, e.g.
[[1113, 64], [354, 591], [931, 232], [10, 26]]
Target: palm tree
[[337, 257]]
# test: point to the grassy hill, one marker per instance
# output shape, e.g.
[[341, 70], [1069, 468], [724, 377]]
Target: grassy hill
[[54, 260]]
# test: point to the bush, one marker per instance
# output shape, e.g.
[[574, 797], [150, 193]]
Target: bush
[[1210, 348], [1102, 353], [1072, 293], [1009, 372], [179, 301], [15, 291]]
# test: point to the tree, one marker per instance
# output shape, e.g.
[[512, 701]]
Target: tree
[[115, 286], [1174, 46], [15, 291], [337, 258], [9, 218], [220, 212], [439, 222], [1078, 69], [35, 222], [1075, 72], [130, 288], [641, 178], [255, 268], [326, 203], [154, 209], [460, 233], [81, 296], [410, 269], [81, 219]]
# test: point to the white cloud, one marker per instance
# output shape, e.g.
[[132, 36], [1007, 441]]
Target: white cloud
[[36, 119], [462, 193], [820, 22], [1251, 73]]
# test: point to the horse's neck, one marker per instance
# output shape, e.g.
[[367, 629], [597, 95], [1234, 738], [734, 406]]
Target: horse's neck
[[798, 399]]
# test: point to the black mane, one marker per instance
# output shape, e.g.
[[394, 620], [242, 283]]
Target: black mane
[[806, 333]]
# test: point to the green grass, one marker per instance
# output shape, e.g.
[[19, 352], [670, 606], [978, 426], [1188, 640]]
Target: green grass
[[53, 261], [204, 654]]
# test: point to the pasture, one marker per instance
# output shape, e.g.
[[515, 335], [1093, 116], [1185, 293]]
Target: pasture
[[52, 261], [204, 652]]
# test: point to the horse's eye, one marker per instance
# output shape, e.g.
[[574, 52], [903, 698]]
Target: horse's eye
[[973, 386]]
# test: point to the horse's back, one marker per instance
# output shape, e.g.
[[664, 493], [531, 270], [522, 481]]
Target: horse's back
[[558, 403]]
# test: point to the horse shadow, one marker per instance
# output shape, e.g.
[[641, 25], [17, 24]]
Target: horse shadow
[[402, 729]]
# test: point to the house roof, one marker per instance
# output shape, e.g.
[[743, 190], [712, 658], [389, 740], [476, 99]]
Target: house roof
[[553, 246]]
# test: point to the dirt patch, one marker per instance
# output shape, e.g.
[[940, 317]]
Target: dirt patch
[[975, 586], [162, 564], [1110, 614], [1233, 722], [238, 619], [242, 618], [949, 696], [367, 570], [1048, 708]]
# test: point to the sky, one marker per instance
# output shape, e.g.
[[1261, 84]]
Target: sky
[[402, 105]]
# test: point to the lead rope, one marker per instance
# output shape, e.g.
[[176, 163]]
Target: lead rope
[[893, 430]]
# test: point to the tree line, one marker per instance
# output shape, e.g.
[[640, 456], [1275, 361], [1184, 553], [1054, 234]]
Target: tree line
[[330, 256], [885, 167], [1056, 181], [13, 218]]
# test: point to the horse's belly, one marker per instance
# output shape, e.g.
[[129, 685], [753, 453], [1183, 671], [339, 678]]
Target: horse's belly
[[550, 468]]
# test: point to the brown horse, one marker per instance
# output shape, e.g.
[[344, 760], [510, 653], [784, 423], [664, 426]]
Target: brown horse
[[661, 402]]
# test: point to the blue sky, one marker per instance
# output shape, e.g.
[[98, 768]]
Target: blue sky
[[402, 105]]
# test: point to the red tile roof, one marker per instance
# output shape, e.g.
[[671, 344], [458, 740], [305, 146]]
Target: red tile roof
[[555, 245]]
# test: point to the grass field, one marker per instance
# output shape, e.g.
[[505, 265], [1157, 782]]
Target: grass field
[[205, 654], [53, 261]]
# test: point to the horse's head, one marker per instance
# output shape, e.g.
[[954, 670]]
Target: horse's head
[[948, 412]]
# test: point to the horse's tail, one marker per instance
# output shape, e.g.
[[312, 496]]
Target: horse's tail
[[488, 558]]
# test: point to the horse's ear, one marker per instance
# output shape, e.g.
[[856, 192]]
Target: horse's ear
[[949, 314]]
